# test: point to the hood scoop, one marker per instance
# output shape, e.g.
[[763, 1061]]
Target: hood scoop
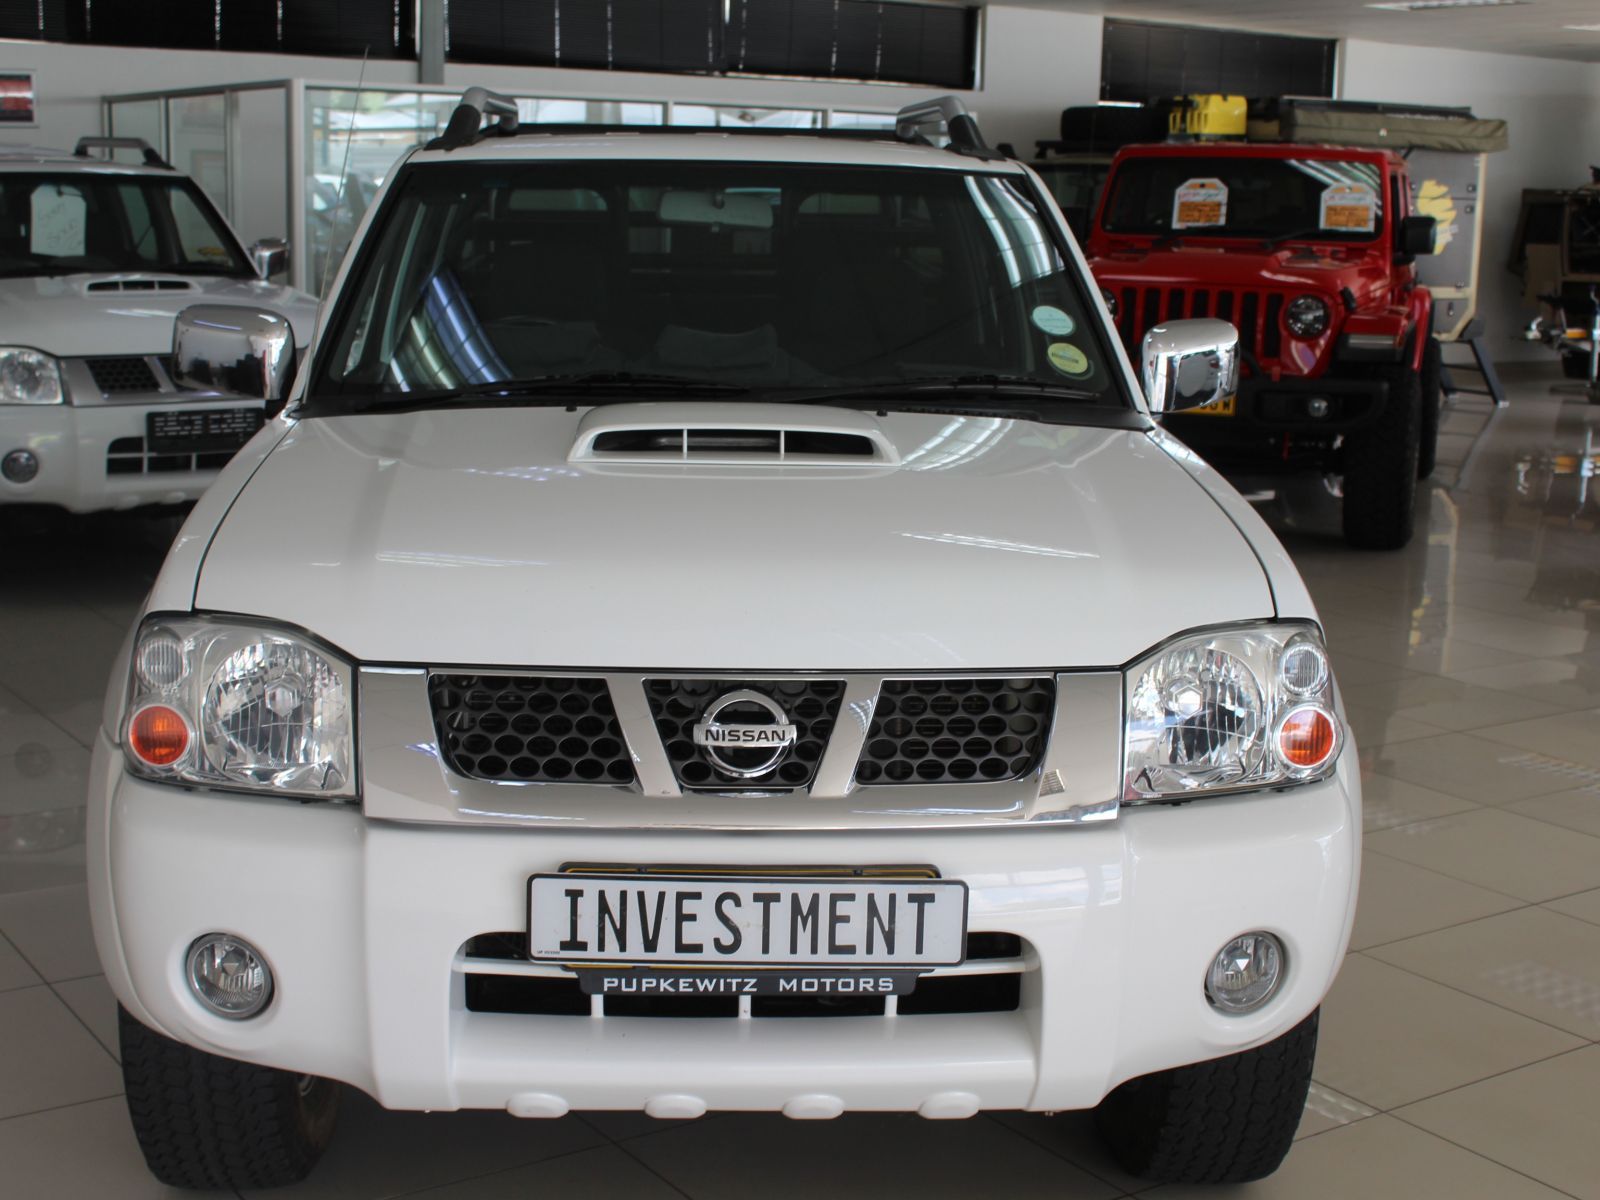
[[731, 434], [137, 284]]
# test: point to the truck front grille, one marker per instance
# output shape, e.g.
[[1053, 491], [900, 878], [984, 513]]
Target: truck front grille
[[123, 374], [529, 728], [128, 456], [981, 730], [1256, 314]]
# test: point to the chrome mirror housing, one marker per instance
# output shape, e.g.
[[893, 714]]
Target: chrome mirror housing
[[227, 348], [1189, 364], [270, 256]]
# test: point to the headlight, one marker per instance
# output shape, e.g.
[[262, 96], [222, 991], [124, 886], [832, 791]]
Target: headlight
[[240, 706], [28, 377], [1306, 316], [1228, 711]]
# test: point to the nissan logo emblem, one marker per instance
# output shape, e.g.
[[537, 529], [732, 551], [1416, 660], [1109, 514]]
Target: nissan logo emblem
[[744, 734]]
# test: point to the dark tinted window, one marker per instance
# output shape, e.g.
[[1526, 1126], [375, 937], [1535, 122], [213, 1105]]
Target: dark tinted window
[[1141, 61], [758, 275]]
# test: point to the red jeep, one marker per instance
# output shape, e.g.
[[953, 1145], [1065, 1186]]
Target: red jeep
[[1309, 251]]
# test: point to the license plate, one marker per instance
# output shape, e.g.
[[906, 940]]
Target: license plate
[[746, 920], [1217, 408], [201, 431]]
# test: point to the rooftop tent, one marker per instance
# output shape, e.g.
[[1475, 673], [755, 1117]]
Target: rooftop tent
[[1398, 126]]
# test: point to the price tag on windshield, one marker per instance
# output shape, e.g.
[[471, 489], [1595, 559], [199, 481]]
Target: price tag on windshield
[[1200, 204], [1349, 208]]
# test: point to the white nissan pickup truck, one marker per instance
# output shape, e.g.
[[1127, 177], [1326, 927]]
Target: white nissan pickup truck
[[719, 625], [96, 260]]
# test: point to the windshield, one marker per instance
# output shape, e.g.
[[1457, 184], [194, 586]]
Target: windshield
[[743, 277], [1076, 188], [77, 222], [1328, 199]]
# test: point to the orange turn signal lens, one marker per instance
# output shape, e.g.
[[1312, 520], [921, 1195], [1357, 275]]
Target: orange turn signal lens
[[1306, 738], [158, 735]]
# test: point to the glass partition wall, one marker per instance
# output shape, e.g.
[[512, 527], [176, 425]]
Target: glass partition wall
[[300, 159]]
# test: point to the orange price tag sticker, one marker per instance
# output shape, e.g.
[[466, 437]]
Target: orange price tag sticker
[[1200, 204]]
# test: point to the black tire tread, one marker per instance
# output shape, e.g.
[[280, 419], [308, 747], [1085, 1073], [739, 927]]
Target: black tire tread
[[1230, 1120], [1432, 383], [204, 1121], [1380, 468]]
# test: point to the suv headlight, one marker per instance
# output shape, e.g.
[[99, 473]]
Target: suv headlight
[[237, 705], [1306, 316], [29, 377], [1228, 711]]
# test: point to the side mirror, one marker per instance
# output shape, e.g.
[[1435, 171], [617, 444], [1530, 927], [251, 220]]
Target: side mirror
[[227, 348], [1417, 235], [270, 256], [1189, 364]]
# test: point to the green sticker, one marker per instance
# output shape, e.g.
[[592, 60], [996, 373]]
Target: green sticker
[[1068, 359], [1052, 320]]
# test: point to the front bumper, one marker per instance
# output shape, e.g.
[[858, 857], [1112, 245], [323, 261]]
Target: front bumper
[[88, 461], [363, 922], [1281, 406]]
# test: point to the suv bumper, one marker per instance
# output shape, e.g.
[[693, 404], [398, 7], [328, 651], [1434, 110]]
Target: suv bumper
[[74, 446], [1284, 406], [362, 922]]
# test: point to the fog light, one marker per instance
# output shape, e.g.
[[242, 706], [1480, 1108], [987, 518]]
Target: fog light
[[20, 466], [1245, 973], [1317, 407], [229, 976]]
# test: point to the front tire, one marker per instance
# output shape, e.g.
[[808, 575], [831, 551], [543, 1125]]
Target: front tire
[[204, 1121], [1229, 1120], [1432, 383], [1380, 468]]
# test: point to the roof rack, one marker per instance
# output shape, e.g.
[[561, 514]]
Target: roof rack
[[151, 157], [914, 123]]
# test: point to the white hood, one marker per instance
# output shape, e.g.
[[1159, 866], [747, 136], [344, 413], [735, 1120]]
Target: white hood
[[64, 316], [469, 538]]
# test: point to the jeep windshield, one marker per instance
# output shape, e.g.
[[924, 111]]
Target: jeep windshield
[[1274, 199], [516, 282], [84, 222]]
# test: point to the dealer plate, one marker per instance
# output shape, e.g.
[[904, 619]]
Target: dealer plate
[[730, 920], [200, 431]]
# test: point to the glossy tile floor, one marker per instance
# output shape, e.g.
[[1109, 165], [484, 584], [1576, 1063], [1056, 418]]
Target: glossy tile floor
[[1460, 1051]]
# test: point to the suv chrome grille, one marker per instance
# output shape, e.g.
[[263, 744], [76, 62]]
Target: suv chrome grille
[[129, 374], [529, 728], [981, 730], [811, 705]]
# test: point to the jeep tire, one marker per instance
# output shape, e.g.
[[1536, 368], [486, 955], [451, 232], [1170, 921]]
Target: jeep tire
[[209, 1122], [1432, 381], [1229, 1120], [1380, 468]]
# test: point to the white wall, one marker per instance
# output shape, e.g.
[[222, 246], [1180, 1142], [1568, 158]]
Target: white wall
[[1553, 108]]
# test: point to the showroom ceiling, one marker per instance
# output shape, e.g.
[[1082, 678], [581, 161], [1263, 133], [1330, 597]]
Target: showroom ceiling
[[1537, 27]]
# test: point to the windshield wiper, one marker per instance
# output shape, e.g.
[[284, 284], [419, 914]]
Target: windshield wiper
[[1278, 239], [926, 385], [544, 390]]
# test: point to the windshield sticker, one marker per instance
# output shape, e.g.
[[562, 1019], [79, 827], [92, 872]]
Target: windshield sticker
[[1349, 208], [1200, 204], [1052, 320], [60, 217], [1068, 359]]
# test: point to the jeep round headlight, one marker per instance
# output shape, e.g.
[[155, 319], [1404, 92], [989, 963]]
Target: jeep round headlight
[[1228, 711], [240, 706], [28, 377], [1306, 316]]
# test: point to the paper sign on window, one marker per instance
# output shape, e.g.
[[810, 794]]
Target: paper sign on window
[[59, 218], [1200, 204], [1349, 208]]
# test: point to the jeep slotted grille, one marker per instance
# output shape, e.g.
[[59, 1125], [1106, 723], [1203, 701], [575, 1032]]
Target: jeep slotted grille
[[811, 705], [529, 728], [1257, 315], [981, 730]]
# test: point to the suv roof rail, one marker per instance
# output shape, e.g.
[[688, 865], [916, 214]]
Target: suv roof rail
[[466, 122], [151, 157], [965, 138]]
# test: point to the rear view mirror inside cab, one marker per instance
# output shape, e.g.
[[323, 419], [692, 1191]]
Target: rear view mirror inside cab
[[731, 209]]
